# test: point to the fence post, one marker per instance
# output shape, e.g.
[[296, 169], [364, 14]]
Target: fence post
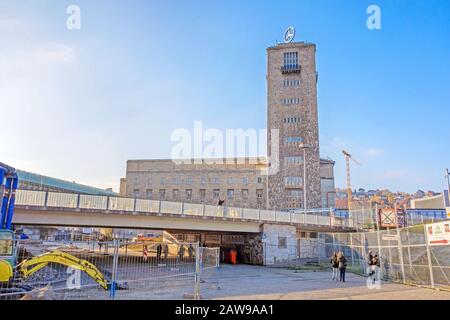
[[351, 249], [112, 289], [430, 264], [197, 273], [400, 254]]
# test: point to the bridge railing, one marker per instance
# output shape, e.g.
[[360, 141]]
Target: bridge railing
[[319, 217]]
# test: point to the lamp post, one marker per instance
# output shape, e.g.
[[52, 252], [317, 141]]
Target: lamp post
[[304, 147], [447, 175]]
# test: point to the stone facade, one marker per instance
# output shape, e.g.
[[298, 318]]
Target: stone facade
[[292, 112], [239, 184]]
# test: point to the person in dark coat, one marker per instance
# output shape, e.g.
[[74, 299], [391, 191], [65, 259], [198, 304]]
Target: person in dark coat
[[342, 266], [191, 252], [335, 266], [166, 252], [158, 251]]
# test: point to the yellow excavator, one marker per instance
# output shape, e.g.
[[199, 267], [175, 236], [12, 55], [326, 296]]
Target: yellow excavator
[[9, 251]]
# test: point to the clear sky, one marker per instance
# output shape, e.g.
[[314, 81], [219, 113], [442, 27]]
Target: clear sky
[[76, 104]]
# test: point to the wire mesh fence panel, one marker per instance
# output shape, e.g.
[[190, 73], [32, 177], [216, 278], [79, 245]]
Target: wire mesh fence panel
[[404, 255], [209, 269], [57, 270], [155, 270]]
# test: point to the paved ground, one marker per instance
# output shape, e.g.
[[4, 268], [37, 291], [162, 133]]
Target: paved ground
[[254, 282]]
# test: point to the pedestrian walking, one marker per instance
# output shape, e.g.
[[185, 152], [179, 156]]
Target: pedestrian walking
[[165, 252], [191, 252], [145, 253], [342, 266], [158, 251], [335, 266], [181, 252]]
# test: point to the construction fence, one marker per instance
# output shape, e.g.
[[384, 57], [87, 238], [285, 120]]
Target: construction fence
[[98, 270], [405, 256]]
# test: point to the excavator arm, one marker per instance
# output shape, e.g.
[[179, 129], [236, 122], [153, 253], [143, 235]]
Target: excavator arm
[[30, 266]]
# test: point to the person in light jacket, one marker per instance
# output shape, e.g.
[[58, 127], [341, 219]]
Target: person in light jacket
[[335, 266]]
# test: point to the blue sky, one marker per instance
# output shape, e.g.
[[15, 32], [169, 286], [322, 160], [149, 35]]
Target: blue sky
[[77, 104]]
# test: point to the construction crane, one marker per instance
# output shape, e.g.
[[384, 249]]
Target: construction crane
[[348, 156]]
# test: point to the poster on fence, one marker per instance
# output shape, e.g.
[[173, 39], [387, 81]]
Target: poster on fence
[[438, 234]]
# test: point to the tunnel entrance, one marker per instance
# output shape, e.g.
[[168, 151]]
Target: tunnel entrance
[[235, 248]]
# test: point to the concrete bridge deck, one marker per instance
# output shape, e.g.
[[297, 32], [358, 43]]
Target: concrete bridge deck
[[69, 209]]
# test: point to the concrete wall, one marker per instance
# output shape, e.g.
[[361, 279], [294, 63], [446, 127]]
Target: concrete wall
[[273, 252]]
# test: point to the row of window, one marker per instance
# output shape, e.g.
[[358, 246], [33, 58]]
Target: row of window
[[290, 101], [291, 83], [290, 59], [291, 120], [202, 194], [293, 181], [292, 139], [293, 161], [205, 180]]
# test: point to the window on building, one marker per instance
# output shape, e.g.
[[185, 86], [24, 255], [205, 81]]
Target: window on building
[[291, 120], [203, 180], [188, 194], [290, 60], [313, 235], [259, 180], [162, 194], [216, 180], [293, 181], [230, 194], [259, 193], [149, 193], [245, 194], [162, 181], [293, 161], [293, 139], [175, 194], [136, 193], [245, 180], [290, 101], [216, 194], [176, 181], [295, 192], [282, 242], [189, 181], [202, 194], [291, 83], [230, 180]]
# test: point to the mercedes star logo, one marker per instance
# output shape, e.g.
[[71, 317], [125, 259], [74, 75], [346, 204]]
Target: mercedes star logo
[[289, 34]]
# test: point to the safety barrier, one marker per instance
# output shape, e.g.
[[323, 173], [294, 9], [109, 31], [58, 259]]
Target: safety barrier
[[99, 270], [320, 217]]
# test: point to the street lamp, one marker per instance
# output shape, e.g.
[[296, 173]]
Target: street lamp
[[304, 147], [447, 175]]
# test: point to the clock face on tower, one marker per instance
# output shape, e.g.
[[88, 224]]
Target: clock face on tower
[[289, 34]]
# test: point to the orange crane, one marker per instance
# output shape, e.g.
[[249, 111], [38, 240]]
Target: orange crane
[[348, 156]]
